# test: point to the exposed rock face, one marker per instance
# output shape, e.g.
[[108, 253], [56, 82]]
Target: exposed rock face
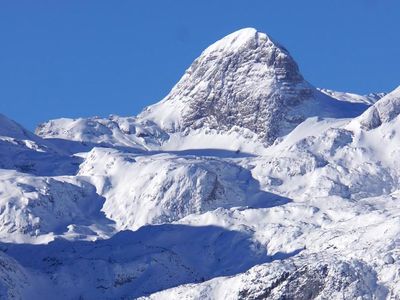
[[245, 80]]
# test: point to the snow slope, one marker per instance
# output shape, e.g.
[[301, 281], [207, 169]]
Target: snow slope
[[164, 187], [37, 209]]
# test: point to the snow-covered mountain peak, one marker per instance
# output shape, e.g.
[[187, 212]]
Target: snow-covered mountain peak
[[245, 80], [234, 40], [246, 37]]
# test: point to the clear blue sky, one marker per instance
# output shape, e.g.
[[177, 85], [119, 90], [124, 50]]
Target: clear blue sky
[[83, 58]]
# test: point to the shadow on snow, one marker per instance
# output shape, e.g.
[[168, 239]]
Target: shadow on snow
[[138, 263]]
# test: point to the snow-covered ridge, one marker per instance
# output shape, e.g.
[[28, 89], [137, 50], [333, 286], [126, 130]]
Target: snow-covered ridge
[[10, 128], [112, 131], [368, 99]]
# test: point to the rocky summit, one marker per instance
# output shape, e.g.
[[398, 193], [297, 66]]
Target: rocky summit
[[245, 80]]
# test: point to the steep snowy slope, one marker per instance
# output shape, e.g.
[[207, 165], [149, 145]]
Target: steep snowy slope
[[249, 81], [10, 128], [14, 280], [293, 279], [328, 248]]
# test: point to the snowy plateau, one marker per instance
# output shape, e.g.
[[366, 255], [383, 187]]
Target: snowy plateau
[[244, 182]]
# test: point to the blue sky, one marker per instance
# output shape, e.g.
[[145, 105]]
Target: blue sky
[[83, 58]]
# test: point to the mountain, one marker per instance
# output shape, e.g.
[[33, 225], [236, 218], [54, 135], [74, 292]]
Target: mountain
[[244, 182], [246, 80]]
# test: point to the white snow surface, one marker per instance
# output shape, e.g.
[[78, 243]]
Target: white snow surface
[[175, 205], [113, 131], [355, 98]]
